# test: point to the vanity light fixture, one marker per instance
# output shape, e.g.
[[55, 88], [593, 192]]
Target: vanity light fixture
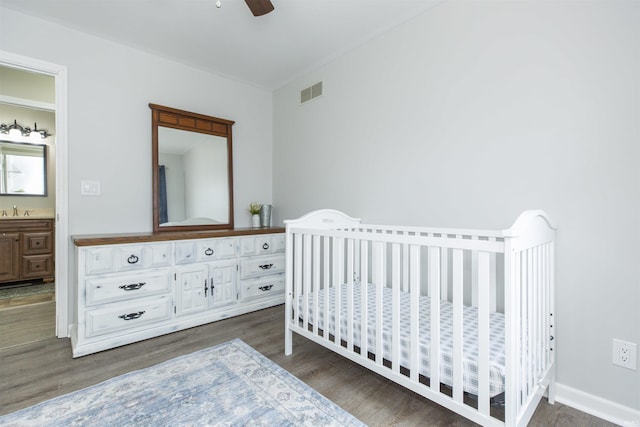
[[15, 129]]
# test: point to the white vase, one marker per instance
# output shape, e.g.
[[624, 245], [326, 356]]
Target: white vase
[[255, 220]]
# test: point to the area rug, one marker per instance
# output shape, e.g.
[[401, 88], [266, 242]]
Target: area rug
[[230, 384]]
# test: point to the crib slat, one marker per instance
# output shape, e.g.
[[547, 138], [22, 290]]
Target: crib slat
[[316, 281], [306, 281], [493, 281], [327, 280], [474, 275], [378, 278], [350, 274], [338, 281], [395, 292], [521, 268], [414, 308], [434, 289], [529, 321], [297, 268], [405, 268], [364, 298], [444, 273], [483, 331], [457, 283]]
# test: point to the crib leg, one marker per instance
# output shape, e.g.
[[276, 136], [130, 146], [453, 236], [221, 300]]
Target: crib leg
[[288, 341], [551, 392]]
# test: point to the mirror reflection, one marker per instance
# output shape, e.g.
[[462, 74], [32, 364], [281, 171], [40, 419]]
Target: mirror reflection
[[192, 178], [23, 169]]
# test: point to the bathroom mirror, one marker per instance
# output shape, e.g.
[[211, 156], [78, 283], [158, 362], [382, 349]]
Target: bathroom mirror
[[23, 169], [192, 171]]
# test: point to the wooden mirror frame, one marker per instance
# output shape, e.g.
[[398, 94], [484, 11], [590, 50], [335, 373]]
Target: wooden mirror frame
[[192, 122]]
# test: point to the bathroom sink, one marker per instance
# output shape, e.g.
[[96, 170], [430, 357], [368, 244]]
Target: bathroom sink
[[33, 214]]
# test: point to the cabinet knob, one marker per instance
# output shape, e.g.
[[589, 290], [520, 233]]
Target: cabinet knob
[[132, 259], [265, 288], [265, 266], [265, 246], [208, 252]]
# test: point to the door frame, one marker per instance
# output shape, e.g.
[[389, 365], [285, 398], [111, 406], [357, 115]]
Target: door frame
[[62, 278]]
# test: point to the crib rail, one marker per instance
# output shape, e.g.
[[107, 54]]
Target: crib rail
[[372, 294]]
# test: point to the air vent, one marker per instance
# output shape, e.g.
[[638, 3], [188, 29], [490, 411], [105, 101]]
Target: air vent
[[311, 92]]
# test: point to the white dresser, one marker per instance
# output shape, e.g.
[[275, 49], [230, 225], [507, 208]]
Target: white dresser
[[138, 287]]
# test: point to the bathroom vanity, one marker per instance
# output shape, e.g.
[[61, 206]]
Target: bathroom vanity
[[135, 287], [26, 249]]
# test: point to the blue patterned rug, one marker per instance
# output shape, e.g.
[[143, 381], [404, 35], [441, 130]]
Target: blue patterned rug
[[230, 384]]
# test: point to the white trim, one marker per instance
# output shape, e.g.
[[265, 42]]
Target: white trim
[[21, 102], [62, 281], [597, 406]]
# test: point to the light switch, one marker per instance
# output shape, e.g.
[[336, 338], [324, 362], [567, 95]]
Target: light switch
[[89, 188]]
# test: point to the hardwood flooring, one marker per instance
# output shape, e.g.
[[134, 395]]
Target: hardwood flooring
[[36, 371]]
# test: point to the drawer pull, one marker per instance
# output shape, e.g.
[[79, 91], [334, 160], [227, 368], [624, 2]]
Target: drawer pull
[[208, 252], [265, 246], [265, 288], [132, 259], [131, 316], [265, 266], [132, 286]]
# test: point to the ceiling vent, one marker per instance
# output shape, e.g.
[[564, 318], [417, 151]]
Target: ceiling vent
[[311, 92]]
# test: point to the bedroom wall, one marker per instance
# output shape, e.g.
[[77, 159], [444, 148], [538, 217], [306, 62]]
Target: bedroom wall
[[109, 89], [109, 124], [474, 112]]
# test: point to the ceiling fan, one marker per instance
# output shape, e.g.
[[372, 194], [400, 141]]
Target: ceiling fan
[[259, 7]]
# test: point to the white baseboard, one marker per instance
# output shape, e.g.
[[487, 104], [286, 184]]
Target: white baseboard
[[597, 406]]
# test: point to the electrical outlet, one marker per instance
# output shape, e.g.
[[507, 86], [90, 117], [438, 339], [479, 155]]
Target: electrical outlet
[[625, 354]]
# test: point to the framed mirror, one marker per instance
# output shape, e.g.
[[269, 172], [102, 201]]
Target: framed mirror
[[23, 169], [192, 171]]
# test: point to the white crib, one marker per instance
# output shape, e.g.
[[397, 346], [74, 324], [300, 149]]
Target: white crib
[[461, 317]]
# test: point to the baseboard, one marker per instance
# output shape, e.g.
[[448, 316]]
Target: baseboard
[[597, 406]]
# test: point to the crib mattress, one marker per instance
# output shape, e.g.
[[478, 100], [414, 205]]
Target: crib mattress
[[470, 334]]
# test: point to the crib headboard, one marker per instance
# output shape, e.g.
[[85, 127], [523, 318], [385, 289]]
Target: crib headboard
[[324, 219]]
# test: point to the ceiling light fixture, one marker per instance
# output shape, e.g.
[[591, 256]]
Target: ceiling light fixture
[[218, 4], [15, 129]]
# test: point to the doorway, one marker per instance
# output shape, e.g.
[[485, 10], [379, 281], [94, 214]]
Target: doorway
[[60, 214]]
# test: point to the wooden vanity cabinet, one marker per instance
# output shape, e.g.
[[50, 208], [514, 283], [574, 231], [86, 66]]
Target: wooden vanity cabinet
[[26, 250]]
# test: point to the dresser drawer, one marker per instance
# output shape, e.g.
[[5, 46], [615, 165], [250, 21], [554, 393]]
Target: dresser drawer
[[260, 266], [205, 250], [130, 315], [123, 287], [263, 244], [263, 287], [108, 259]]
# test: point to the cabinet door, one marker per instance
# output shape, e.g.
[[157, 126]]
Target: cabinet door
[[9, 256], [223, 284], [36, 266], [192, 289], [37, 243]]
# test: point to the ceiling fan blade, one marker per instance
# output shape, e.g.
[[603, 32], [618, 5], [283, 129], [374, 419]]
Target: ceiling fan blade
[[259, 7]]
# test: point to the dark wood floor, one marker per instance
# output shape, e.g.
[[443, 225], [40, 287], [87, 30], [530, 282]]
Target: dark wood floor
[[36, 371]]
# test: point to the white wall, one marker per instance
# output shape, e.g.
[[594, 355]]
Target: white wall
[[109, 123], [110, 87], [474, 112]]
